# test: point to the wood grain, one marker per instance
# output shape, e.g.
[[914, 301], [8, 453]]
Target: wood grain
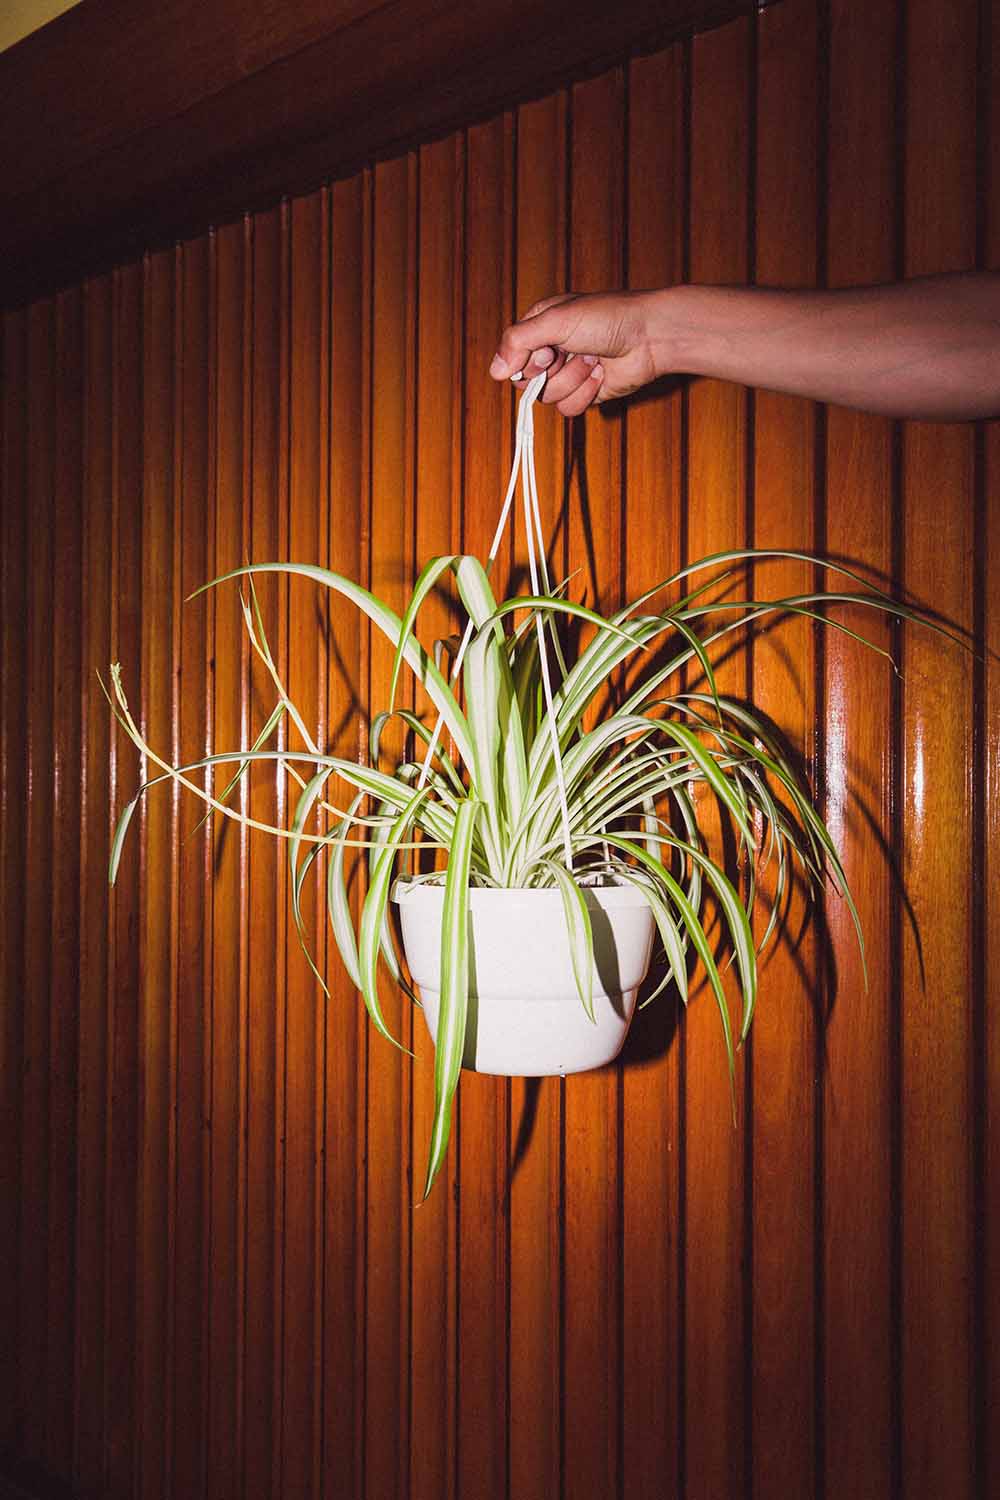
[[938, 1445], [229, 470], [267, 915], [306, 435], [716, 1262], [784, 1045], [36, 1248], [987, 1037], [161, 1140], [437, 394], [857, 1058], [482, 1115], [13, 769], [343, 1383], [91, 1290], [120, 1393], [220, 1284], [391, 1168], [591, 1168], [535, 1185], [208, 110], [194, 515], [67, 581], [652, 1299]]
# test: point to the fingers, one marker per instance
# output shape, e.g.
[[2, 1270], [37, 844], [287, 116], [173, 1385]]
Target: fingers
[[572, 387], [589, 379], [545, 358], [537, 342]]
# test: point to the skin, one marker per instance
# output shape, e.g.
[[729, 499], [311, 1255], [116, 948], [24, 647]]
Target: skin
[[928, 348]]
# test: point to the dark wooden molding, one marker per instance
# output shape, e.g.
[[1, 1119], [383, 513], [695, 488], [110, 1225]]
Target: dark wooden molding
[[126, 127]]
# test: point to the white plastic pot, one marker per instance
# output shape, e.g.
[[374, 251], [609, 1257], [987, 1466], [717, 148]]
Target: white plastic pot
[[525, 1015]]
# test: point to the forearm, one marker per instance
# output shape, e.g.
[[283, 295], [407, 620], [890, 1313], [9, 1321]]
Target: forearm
[[926, 348]]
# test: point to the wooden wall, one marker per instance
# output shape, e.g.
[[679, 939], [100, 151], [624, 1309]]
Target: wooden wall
[[215, 1282]]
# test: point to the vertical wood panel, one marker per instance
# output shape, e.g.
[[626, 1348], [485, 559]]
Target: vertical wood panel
[[35, 1248], [222, 1285], [265, 1000], [783, 1049], [482, 1113], [230, 443], [121, 1393], [343, 1380], [592, 1284], [65, 874], [938, 1447], [437, 395], [95, 832], [391, 1186], [14, 521], [858, 1408], [193, 525], [988, 1240], [157, 1076], [536, 1115], [715, 1247], [307, 332], [652, 1295]]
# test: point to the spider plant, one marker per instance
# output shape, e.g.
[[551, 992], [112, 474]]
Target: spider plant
[[529, 779], [525, 774]]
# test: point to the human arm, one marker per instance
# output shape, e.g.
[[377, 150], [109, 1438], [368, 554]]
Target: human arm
[[926, 348]]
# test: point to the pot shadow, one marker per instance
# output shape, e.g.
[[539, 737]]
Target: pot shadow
[[655, 1025], [472, 1008], [649, 1038]]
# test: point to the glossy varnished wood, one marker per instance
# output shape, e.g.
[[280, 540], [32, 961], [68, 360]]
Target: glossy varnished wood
[[221, 1283], [856, 1186], [343, 1308], [208, 110], [266, 930], [228, 474], [156, 691], [936, 1060], [482, 1113], [437, 481], [591, 1168], [652, 1295], [36, 1247], [119, 1393], [715, 1148], [392, 1182], [68, 583], [784, 1045], [13, 562], [987, 1075], [95, 824], [535, 1182]]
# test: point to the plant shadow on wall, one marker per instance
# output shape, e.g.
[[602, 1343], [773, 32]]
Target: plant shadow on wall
[[537, 827]]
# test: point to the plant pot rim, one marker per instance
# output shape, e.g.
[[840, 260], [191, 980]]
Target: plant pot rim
[[619, 894]]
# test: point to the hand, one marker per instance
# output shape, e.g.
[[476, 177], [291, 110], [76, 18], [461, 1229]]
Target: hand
[[595, 347]]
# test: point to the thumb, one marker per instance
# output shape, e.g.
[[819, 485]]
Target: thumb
[[540, 334]]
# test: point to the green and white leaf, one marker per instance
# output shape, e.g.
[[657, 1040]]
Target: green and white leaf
[[453, 1002]]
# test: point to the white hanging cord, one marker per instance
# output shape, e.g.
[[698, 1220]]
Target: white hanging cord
[[536, 542], [531, 489], [527, 401], [523, 464]]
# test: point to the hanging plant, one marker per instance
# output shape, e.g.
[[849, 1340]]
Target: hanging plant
[[573, 831]]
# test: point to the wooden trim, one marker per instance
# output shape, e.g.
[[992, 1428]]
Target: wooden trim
[[208, 109]]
